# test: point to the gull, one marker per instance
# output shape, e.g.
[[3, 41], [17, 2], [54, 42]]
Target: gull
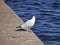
[[28, 24]]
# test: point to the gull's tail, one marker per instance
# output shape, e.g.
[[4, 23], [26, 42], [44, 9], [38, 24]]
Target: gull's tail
[[18, 26]]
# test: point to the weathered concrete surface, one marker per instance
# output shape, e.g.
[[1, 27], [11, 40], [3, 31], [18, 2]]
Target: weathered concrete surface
[[8, 34]]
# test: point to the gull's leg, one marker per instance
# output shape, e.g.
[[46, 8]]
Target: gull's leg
[[28, 30]]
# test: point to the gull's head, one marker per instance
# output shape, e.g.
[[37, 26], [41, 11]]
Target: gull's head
[[36, 17]]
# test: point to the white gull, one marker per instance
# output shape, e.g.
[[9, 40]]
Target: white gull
[[28, 24]]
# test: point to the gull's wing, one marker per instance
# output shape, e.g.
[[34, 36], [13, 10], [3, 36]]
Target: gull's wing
[[27, 24]]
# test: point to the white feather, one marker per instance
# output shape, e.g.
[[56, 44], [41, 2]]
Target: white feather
[[29, 23]]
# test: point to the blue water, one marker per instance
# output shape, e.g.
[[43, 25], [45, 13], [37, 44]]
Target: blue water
[[47, 26]]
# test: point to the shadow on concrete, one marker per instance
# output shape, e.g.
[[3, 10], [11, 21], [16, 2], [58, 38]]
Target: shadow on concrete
[[20, 30]]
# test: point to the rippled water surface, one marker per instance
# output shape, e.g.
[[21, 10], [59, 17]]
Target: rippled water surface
[[47, 26]]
